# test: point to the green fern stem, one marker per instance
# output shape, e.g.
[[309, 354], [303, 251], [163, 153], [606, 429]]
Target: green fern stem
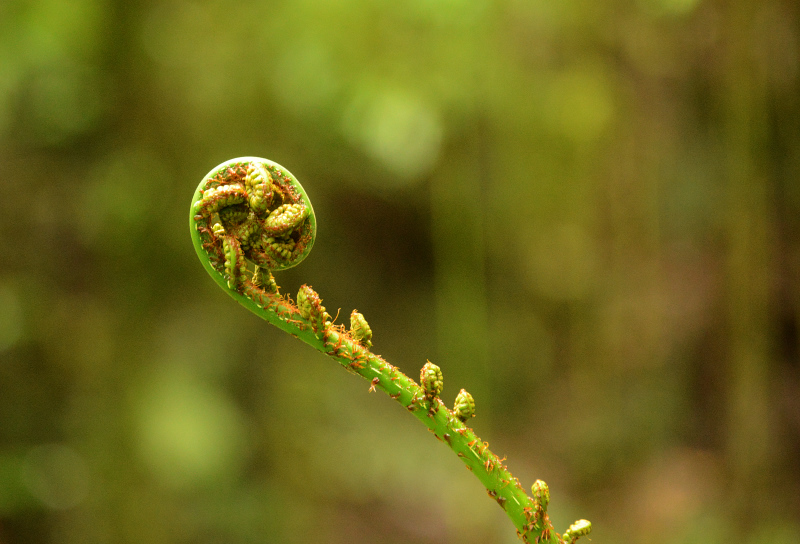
[[227, 231]]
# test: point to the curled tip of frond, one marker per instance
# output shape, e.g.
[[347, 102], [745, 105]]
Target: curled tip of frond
[[464, 407], [580, 528], [262, 206], [311, 308], [541, 495], [432, 380], [359, 329]]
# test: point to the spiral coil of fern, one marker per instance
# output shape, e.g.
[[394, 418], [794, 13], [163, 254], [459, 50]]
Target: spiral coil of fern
[[252, 212]]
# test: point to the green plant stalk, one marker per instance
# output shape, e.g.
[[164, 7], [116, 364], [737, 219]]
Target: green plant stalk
[[218, 196]]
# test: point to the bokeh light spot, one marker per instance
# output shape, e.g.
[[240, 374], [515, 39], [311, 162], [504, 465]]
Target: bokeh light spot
[[189, 432], [397, 129]]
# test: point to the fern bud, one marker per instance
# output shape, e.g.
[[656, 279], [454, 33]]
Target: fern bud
[[285, 218], [580, 528], [233, 215], [216, 198], [235, 266], [264, 279], [311, 308], [258, 184], [260, 204], [359, 329], [465, 406], [541, 495], [432, 380]]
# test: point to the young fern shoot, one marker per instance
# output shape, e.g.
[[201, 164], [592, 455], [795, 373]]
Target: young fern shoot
[[251, 213]]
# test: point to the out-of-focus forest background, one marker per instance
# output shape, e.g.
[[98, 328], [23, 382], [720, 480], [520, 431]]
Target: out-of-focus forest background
[[586, 213]]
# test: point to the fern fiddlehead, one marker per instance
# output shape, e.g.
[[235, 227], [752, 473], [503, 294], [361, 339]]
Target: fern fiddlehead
[[252, 213]]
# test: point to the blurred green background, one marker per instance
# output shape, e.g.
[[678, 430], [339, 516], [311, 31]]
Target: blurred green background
[[587, 213]]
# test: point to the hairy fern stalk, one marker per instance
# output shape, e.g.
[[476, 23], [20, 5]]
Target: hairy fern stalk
[[250, 217]]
